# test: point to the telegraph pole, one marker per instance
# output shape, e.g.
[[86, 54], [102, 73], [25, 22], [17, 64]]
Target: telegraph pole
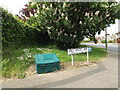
[[106, 43]]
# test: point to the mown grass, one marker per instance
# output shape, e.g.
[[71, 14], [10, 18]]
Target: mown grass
[[16, 61]]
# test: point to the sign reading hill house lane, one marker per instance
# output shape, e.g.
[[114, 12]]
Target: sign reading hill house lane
[[78, 51]]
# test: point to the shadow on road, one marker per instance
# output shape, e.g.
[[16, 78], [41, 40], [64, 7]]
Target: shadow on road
[[99, 68]]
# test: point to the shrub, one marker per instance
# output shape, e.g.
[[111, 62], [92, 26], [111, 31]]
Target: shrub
[[15, 31], [12, 30], [103, 41], [111, 41]]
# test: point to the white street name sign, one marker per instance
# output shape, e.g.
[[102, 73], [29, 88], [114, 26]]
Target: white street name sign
[[78, 51]]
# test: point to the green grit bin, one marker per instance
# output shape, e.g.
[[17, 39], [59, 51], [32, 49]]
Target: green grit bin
[[47, 63]]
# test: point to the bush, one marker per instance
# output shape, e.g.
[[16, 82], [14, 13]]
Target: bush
[[16, 32], [103, 41], [111, 41], [12, 30]]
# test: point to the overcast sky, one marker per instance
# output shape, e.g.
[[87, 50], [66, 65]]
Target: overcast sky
[[14, 6], [110, 30]]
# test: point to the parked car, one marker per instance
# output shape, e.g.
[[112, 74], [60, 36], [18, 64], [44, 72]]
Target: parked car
[[118, 40]]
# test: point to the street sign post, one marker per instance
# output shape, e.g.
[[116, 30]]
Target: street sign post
[[78, 51]]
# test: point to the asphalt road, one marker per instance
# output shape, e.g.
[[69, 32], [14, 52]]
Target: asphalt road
[[111, 47], [101, 75]]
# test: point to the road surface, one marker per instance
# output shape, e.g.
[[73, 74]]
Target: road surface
[[111, 47]]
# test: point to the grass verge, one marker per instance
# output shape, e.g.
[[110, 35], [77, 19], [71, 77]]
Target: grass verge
[[16, 61]]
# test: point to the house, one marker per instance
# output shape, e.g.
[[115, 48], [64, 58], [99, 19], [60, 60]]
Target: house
[[113, 33], [118, 37]]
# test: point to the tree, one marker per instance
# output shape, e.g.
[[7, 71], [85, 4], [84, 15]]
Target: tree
[[69, 22]]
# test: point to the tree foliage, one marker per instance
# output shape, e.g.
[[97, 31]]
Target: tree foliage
[[69, 22]]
